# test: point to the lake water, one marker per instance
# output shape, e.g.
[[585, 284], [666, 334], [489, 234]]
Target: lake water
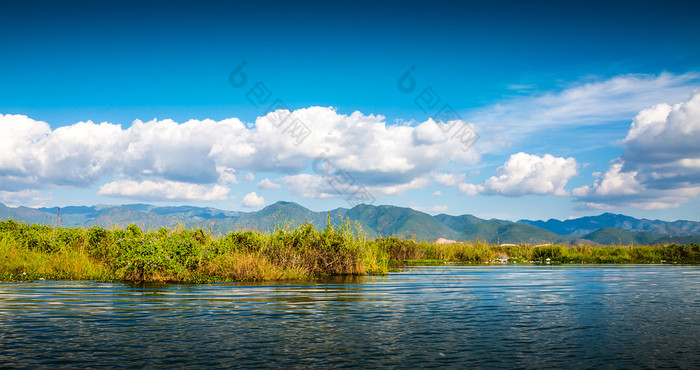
[[456, 316]]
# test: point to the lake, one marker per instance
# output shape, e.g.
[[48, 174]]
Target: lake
[[573, 316]]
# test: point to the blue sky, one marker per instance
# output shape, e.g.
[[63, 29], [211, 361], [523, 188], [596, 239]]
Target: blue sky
[[580, 107]]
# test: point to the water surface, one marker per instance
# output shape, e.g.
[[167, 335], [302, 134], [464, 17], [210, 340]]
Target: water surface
[[456, 316]]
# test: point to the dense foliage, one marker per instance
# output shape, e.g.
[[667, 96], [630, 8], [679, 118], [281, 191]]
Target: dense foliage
[[29, 252]]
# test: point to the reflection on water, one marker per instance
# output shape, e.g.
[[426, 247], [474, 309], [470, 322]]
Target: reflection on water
[[457, 316]]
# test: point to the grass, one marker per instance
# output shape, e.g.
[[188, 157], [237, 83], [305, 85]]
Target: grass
[[32, 252], [414, 252], [29, 252], [20, 263]]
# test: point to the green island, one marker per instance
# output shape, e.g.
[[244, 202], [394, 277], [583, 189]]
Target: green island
[[37, 252]]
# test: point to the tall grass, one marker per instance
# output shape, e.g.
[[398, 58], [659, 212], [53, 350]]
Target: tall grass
[[29, 252], [479, 252], [17, 262], [186, 255]]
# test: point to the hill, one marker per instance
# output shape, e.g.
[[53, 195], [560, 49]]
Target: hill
[[376, 221], [615, 236], [510, 232], [586, 225]]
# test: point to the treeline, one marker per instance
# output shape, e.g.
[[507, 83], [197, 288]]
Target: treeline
[[33, 252]]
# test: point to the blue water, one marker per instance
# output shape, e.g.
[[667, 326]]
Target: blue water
[[456, 316]]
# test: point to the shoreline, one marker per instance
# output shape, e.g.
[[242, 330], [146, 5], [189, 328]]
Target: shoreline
[[33, 252]]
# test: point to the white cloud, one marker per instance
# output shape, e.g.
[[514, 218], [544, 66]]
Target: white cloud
[[660, 164], [432, 210], [449, 179], [33, 155], [338, 185], [177, 152], [437, 193], [387, 159], [590, 103], [226, 175], [253, 200], [208, 152], [522, 87], [527, 174], [470, 189], [23, 198], [313, 186], [612, 182], [399, 189], [363, 145], [267, 184], [164, 190]]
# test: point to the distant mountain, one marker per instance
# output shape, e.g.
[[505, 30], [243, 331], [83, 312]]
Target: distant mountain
[[123, 216], [462, 222], [615, 236], [279, 215], [511, 232], [28, 215], [376, 221], [586, 225], [400, 222]]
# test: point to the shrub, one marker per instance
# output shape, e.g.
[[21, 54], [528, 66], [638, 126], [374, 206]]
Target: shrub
[[541, 253]]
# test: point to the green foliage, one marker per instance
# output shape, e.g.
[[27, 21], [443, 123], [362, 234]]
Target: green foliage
[[32, 251], [99, 243], [547, 251], [401, 249], [190, 255]]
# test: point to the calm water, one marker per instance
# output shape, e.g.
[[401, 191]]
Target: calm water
[[459, 316]]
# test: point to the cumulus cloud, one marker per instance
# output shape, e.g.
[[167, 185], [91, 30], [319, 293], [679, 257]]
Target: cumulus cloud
[[399, 189], [527, 174], [449, 179], [177, 152], [164, 190], [613, 182], [253, 200], [227, 175], [660, 164], [314, 186], [33, 155], [267, 184], [212, 153], [339, 185]]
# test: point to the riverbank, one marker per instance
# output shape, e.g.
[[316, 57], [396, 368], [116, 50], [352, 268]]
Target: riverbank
[[34, 252]]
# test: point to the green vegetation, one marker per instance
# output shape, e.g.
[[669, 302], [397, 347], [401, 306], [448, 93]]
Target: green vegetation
[[376, 221], [32, 252], [409, 251]]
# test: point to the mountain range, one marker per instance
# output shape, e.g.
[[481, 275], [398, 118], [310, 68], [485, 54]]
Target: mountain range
[[376, 221]]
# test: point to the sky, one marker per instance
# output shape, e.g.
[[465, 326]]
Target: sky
[[500, 109]]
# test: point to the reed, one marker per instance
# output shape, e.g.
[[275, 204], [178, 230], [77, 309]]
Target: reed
[[478, 252], [30, 252], [17, 262], [179, 255]]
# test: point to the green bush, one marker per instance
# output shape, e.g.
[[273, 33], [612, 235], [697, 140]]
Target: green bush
[[552, 252], [194, 255], [400, 249]]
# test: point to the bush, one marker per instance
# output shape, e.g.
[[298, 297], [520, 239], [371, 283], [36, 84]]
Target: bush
[[194, 255], [541, 253], [400, 249]]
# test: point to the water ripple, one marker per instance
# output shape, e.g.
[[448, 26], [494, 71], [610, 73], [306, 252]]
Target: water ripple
[[456, 316]]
